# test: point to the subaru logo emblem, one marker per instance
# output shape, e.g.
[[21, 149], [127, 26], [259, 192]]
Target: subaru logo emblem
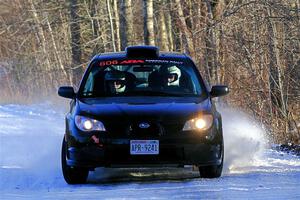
[[144, 125]]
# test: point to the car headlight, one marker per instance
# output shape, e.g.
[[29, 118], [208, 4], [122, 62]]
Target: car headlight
[[202, 123], [88, 124]]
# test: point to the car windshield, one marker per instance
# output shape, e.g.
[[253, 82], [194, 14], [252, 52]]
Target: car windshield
[[140, 78]]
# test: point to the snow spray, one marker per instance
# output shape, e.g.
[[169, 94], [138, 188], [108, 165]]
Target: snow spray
[[244, 139]]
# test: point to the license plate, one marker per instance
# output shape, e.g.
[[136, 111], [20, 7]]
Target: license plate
[[144, 147]]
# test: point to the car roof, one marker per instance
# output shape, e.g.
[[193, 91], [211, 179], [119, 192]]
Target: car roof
[[122, 55]]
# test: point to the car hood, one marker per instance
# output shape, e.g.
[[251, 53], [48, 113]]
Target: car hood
[[165, 110]]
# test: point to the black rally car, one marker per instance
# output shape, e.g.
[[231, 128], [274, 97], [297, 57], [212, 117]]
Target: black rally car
[[142, 108]]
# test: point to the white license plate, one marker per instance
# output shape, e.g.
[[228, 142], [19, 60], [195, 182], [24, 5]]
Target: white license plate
[[144, 147]]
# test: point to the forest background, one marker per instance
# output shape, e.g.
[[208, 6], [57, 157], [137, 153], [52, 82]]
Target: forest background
[[251, 45]]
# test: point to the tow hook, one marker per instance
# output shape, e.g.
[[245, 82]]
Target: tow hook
[[97, 141]]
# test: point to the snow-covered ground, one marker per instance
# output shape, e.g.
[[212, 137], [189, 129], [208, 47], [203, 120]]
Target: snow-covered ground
[[30, 142]]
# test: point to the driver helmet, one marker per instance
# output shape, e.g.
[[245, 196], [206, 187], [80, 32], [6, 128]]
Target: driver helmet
[[115, 82], [171, 75]]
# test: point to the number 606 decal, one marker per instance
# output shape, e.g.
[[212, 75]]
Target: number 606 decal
[[108, 62], [120, 62]]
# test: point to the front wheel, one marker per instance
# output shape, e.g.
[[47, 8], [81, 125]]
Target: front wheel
[[212, 171], [72, 175]]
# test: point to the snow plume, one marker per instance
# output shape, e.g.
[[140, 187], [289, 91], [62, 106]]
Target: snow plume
[[244, 140]]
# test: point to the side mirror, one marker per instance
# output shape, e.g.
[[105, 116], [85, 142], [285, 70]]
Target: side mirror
[[219, 90], [66, 91]]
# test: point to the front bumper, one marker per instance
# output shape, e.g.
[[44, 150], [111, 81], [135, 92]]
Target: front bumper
[[116, 153]]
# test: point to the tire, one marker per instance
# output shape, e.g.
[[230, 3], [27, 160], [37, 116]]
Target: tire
[[213, 171], [72, 175]]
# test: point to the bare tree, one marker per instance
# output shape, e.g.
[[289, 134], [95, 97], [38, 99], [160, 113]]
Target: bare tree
[[148, 22], [42, 40], [75, 41], [112, 30], [210, 42], [117, 23], [162, 27], [126, 24], [187, 33]]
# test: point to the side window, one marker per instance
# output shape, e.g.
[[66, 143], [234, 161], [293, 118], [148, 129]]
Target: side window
[[188, 81], [88, 88]]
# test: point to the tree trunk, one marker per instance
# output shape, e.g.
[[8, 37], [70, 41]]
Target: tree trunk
[[148, 23], [211, 51], [187, 34], [112, 31], [75, 42], [95, 27], [117, 22], [57, 53], [126, 24], [170, 29], [163, 29], [219, 43], [43, 44], [92, 14], [275, 71]]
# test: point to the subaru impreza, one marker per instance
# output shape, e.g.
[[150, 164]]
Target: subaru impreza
[[142, 108]]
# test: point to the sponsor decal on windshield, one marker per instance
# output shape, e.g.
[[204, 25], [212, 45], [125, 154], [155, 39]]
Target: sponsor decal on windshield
[[120, 62], [127, 62], [108, 62], [124, 62], [164, 61]]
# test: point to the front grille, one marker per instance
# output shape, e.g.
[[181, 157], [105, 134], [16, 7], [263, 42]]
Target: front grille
[[137, 129], [131, 129], [172, 128]]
